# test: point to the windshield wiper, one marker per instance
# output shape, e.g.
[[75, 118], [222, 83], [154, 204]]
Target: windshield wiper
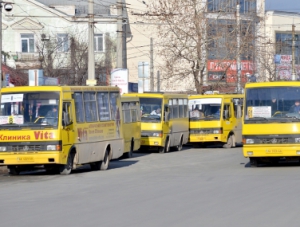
[[258, 119]]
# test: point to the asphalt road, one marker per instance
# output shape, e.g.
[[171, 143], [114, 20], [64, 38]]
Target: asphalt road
[[193, 187]]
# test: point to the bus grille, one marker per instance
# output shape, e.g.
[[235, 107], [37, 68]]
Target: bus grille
[[274, 140], [26, 147]]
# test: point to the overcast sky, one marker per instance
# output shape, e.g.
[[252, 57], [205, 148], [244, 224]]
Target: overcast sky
[[283, 5]]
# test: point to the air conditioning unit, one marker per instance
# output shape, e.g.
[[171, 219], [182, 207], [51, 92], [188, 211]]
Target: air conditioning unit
[[45, 37]]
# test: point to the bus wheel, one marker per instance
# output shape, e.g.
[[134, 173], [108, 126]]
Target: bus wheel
[[14, 170], [229, 142], [129, 153], [179, 147], [104, 164], [67, 168], [166, 148], [254, 162]]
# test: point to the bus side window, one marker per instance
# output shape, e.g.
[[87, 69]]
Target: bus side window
[[67, 116]]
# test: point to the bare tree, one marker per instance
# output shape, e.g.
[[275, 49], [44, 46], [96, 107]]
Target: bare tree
[[70, 64], [190, 33]]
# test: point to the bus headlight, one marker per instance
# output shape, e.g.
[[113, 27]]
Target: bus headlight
[[2, 148], [217, 131], [157, 134], [249, 141], [51, 148]]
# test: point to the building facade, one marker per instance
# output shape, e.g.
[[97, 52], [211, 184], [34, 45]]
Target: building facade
[[52, 35], [280, 28]]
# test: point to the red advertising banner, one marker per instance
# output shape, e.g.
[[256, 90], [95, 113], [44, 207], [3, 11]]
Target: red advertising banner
[[227, 70]]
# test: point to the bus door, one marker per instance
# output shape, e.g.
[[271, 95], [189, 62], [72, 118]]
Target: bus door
[[228, 119], [68, 133]]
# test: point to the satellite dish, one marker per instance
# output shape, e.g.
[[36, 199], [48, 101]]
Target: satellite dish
[[8, 7]]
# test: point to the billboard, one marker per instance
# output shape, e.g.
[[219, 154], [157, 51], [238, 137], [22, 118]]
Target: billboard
[[119, 78], [283, 65], [226, 70]]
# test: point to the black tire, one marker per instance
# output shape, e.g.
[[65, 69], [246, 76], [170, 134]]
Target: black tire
[[179, 147], [254, 162], [229, 143], [67, 168], [104, 164], [166, 148], [14, 170], [129, 153]]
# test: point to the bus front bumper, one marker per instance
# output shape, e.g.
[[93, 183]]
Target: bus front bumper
[[152, 141], [30, 158], [201, 138], [271, 151]]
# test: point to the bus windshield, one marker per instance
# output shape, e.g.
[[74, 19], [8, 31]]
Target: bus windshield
[[29, 109], [272, 104], [205, 109], [151, 109]]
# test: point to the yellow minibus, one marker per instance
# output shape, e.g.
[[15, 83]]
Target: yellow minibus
[[164, 121], [60, 127], [131, 124], [271, 125], [215, 119]]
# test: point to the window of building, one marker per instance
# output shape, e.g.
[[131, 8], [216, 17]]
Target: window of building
[[98, 43], [62, 43], [27, 43], [284, 45]]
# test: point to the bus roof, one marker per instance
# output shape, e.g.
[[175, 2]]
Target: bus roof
[[216, 96], [274, 84], [157, 95], [59, 88]]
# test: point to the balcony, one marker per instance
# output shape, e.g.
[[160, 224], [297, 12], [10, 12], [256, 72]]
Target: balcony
[[25, 57]]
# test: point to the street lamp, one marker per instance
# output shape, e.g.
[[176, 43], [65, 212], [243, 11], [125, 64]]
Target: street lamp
[[8, 7]]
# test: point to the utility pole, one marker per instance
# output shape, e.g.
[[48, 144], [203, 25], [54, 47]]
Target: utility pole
[[158, 81], [238, 57], [119, 34], [151, 66], [293, 53], [91, 57], [1, 45]]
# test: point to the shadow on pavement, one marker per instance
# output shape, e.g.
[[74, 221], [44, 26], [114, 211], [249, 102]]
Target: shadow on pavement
[[266, 165]]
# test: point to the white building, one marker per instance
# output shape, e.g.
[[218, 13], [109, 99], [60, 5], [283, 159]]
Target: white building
[[32, 25], [278, 42]]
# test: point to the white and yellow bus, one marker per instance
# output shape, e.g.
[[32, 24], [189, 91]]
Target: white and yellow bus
[[216, 119], [131, 124], [85, 128], [271, 126], [164, 121]]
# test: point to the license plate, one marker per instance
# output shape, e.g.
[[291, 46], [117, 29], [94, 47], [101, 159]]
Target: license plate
[[25, 159], [201, 138], [273, 151], [143, 142]]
